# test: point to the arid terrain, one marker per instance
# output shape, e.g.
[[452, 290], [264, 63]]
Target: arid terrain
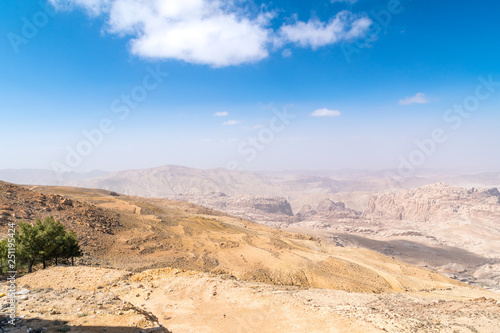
[[453, 230], [138, 233], [233, 166], [444, 221], [155, 264], [89, 299]]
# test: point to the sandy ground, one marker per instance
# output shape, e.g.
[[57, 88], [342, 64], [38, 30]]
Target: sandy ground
[[188, 301]]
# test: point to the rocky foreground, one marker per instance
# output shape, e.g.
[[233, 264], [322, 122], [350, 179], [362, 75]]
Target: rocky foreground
[[160, 265], [86, 299]]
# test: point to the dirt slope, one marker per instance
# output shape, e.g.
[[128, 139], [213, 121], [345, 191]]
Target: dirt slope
[[154, 233], [182, 301]]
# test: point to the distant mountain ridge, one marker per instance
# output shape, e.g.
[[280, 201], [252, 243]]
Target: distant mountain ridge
[[46, 177], [299, 188]]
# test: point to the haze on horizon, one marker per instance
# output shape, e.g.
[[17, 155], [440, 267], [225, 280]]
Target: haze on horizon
[[287, 85]]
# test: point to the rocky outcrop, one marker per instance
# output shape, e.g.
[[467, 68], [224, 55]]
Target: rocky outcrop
[[20, 204], [267, 205], [438, 202], [493, 192], [262, 209], [307, 213], [330, 209], [327, 210]]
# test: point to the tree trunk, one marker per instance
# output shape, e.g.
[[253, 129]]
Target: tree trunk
[[72, 261], [30, 266], [44, 266], [56, 261]]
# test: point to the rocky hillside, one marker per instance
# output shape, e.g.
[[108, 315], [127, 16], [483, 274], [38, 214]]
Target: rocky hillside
[[91, 223], [465, 218], [262, 209], [437, 225], [438, 202], [149, 233]]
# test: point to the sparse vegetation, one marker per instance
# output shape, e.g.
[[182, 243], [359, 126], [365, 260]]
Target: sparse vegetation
[[3, 254], [42, 242]]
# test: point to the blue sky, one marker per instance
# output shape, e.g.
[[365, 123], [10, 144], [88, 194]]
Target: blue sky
[[248, 61]]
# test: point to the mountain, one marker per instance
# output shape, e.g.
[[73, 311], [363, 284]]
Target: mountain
[[299, 188], [46, 177], [172, 180]]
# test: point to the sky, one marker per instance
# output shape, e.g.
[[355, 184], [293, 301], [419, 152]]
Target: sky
[[250, 85]]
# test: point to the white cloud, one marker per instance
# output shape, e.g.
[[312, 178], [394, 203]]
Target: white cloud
[[221, 114], [315, 33], [94, 7], [231, 123], [326, 113], [347, 1], [419, 98], [252, 127], [286, 53], [217, 33]]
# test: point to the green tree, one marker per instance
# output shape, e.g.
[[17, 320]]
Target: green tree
[[28, 243], [71, 247], [3, 254], [44, 241], [53, 239]]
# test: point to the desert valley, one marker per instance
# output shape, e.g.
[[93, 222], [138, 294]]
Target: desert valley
[[345, 256]]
